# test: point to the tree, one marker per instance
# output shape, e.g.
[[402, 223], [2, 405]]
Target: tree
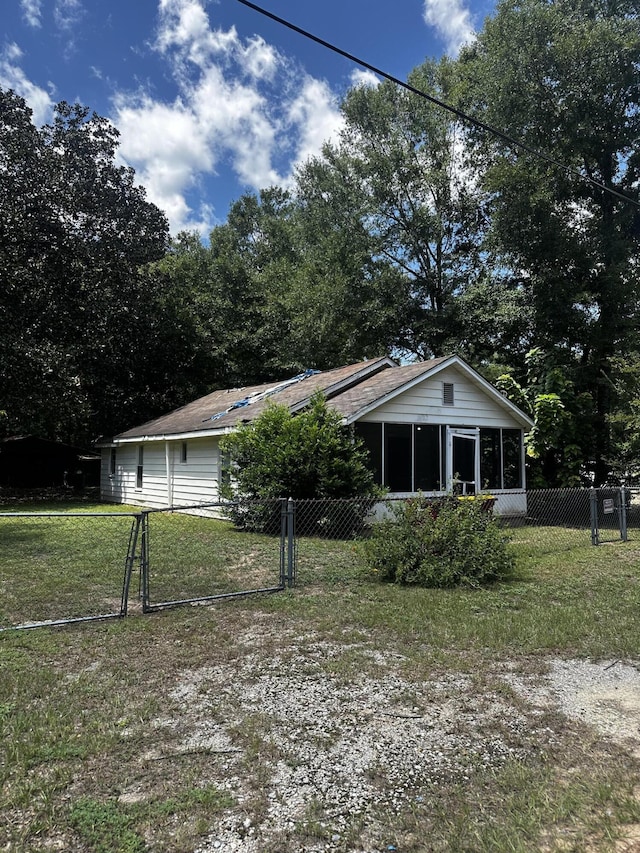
[[563, 78], [397, 180], [561, 420], [305, 300], [624, 420], [75, 233]]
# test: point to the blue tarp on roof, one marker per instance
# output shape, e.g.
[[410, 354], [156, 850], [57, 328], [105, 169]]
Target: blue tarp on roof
[[262, 395]]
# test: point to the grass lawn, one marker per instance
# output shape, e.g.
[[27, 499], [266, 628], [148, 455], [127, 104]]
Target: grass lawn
[[182, 729]]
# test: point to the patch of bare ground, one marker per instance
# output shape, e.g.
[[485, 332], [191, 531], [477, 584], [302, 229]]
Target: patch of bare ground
[[326, 746], [350, 743]]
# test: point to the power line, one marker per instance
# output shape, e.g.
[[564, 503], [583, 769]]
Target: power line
[[459, 113]]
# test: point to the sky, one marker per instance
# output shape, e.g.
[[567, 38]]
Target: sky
[[212, 99]]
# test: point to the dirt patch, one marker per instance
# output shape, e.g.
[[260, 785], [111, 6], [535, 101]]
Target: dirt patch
[[317, 746], [604, 695]]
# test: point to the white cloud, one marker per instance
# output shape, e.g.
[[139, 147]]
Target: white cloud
[[13, 77], [167, 147], [315, 115], [67, 13], [452, 21], [364, 78], [237, 104], [31, 9], [259, 59]]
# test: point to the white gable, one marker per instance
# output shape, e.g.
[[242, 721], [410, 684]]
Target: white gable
[[473, 406]]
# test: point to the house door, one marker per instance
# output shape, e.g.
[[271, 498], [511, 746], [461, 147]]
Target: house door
[[463, 461]]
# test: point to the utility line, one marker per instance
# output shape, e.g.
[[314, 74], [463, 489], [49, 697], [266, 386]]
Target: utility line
[[459, 113]]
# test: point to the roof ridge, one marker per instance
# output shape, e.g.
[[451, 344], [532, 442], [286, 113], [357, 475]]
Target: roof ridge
[[257, 396]]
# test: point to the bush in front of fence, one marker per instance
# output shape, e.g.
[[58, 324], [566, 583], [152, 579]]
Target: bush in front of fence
[[460, 544], [309, 456]]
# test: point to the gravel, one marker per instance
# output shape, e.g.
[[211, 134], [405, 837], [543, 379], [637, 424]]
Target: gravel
[[604, 695], [320, 747], [313, 749]]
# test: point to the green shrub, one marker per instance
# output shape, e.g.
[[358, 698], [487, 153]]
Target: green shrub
[[439, 543], [309, 456]]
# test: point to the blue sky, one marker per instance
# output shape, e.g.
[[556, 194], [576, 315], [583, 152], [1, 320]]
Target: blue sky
[[211, 98]]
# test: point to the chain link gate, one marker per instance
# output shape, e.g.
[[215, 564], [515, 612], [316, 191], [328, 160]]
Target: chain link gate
[[64, 567], [53, 578], [608, 512], [188, 560]]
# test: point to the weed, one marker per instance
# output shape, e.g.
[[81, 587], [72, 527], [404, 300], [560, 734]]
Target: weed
[[105, 827], [80, 706]]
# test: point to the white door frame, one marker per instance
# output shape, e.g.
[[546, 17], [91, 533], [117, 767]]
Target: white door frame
[[468, 435]]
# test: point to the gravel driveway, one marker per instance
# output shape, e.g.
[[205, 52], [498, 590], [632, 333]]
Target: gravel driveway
[[320, 754]]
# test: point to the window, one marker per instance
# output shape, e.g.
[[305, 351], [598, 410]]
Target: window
[[112, 462], [398, 457], [511, 459], [490, 459], [501, 458], [413, 457], [404, 457], [371, 435], [427, 468], [140, 466], [183, 451], [447, 393]]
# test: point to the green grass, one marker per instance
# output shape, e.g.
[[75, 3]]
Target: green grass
[[61, 567], [192, 557], [90, 726]]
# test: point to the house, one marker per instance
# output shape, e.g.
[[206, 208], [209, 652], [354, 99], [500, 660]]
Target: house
[[29, 462], [433, 427]]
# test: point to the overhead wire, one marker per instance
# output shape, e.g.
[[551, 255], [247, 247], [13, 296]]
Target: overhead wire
[[510, 140]]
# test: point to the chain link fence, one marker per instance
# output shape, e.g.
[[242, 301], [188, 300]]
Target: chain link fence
[[539, 522], [57, 568], [65, 567], [563, 518], [191, 554]]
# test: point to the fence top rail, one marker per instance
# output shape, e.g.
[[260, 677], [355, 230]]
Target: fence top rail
[[70, 514], [181, 508], [212, 504]]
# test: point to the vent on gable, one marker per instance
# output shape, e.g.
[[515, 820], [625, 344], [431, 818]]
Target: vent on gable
[[447, 393]]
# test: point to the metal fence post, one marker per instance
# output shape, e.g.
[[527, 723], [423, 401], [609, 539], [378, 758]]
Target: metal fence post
[[593, 504], [144, 563], [291, 542], [623, 513], [131, 556], [284, 526]]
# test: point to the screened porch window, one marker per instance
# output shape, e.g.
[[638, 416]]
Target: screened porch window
[[404, 457], [398, 454], [371, 436], [501, 458], [412, 457], [427, 457]]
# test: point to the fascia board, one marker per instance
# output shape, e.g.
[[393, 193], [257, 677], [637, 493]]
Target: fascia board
[[177, 436], [503, 401]]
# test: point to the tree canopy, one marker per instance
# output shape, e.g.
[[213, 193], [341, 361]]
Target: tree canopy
[[75, 235], [563, 78]]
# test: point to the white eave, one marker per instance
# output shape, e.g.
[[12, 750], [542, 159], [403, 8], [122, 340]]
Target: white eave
[[173, 436]]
